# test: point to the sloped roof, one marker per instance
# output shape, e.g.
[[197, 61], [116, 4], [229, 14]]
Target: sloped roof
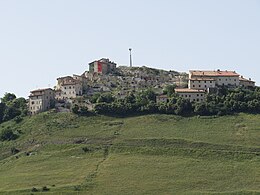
[[213, 73], [187, 90]]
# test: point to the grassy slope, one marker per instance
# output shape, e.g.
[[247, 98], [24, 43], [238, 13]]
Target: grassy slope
[[154, 154]]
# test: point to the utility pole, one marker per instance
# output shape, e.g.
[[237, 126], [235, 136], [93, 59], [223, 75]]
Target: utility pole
[[130, 50]]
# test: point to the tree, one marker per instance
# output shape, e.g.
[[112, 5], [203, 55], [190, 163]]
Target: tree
[[7, 135], [2, 110], [8, 97], [75, 109], [169, 90]]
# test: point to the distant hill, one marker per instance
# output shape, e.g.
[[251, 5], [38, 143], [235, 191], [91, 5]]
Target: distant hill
[[151, 154]]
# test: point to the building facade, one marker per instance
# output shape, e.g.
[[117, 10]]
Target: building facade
[[102, 66], [247, 83], [194, 95], [161, 99], [201, 83], [222, 78], [41, 100], [68, 87]]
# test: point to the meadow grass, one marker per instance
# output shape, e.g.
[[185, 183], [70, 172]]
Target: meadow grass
[[150, 154]]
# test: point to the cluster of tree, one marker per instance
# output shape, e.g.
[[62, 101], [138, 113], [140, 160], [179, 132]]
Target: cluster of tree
[[141, 103], [12, 107], [229, 101], [225, 101]]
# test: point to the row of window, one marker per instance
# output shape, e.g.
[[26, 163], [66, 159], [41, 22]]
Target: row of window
[[36, 102], [69, 87], [227, 80], [190, 95], [199, 86], [204, 81]]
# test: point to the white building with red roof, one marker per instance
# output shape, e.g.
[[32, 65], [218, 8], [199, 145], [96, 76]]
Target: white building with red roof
[[222, 78]]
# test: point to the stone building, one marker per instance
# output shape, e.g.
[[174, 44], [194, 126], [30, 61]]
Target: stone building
[[243, 82], [194, 95], [221, 78], [41, 100], [102, 66], [68, 87], [201, 83]]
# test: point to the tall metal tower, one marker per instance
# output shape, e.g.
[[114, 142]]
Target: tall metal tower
[[130, 50]]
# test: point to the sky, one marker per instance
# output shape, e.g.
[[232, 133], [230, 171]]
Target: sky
[[41, 40]]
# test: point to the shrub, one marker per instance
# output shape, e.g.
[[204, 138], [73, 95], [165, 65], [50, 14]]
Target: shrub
[[34, 189], [18, 119], [86, 149], [7, 135], [45, 189], [14, 150]]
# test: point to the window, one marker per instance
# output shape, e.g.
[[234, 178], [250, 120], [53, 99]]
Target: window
[[210, 81], [205, 86], [201, 95], [186, 96], [197, 94], [235, 80], [69, 87], [189, 95], [199, 81], [199, 85], [205, 81], [32, 102], [193, 85], [65, 88], [219, 79], [198, 100]]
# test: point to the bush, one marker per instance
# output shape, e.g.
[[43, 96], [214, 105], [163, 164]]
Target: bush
[[14, 150], [34, 189], [18, 119], [86, 149], [45, 189], [7, 135]]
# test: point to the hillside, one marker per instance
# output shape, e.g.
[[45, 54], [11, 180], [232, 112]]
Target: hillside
[[151, 154]]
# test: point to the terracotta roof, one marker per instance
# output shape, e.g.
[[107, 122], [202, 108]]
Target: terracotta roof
[[40, 90], [162, 96], [65, 77], [73, 82], [217, 73], [202, 79], [187, 90], [244, 79]]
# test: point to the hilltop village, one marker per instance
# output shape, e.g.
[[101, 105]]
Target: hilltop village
[[105, 77]]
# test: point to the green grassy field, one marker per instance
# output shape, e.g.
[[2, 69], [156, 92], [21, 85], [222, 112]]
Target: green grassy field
[[152, 154]]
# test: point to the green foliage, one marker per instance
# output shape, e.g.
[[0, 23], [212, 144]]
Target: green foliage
[[148, 154], [75, 109], [12, 107], [14, 150], [45, 189], [169, 90], [8, 97], [7, 135]]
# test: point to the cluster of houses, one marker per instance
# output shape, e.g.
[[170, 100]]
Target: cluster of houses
[[105, 76], [202, 82]]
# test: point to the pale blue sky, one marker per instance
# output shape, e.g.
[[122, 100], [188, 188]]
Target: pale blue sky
[[41, 40]]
